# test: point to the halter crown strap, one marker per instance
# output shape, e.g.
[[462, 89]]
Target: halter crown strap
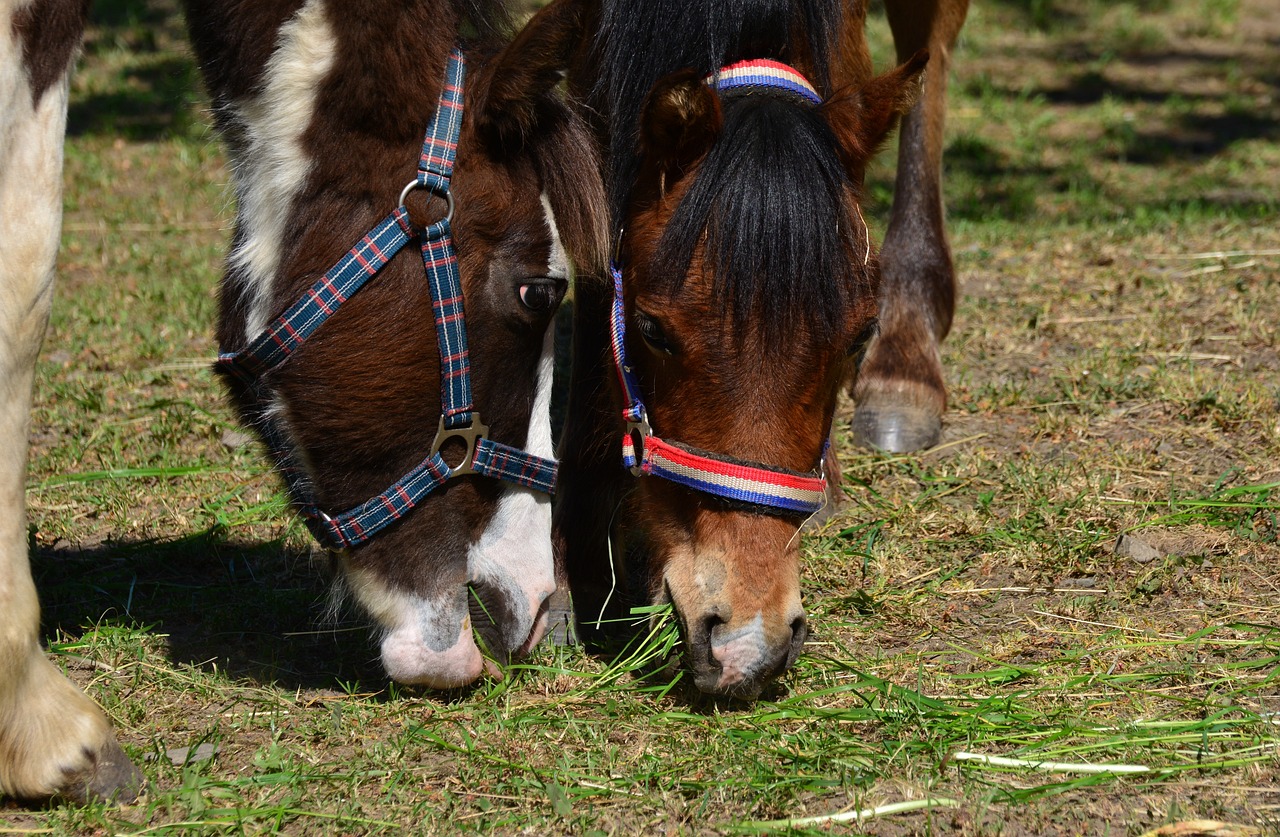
[[458, 420], [435, 172], [764, 73]]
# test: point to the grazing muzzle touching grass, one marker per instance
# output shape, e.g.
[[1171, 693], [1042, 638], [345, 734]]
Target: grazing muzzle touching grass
[[323, 135]]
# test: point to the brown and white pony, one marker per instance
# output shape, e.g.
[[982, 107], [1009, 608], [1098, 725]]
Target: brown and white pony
[[750, 291], [323, 105]]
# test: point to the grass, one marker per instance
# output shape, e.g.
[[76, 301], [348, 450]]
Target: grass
[[981, 649]]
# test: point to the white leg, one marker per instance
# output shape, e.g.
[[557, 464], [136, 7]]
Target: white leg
[[53, 739]]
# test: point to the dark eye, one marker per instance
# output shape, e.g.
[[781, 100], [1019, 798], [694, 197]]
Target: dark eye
[[653, 334], [859, 346], [541, 296]]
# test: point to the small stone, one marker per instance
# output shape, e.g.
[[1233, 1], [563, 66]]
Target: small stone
[[235, 439], [1138, 550]]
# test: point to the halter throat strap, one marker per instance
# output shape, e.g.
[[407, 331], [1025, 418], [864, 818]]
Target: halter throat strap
[[459, 419]]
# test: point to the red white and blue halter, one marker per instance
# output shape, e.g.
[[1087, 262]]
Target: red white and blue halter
[[459, 420], [768, 489], [762, 73]]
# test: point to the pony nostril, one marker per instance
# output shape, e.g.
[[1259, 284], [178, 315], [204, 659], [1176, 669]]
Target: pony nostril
[[709, 624], [707, 628], [799, 633]]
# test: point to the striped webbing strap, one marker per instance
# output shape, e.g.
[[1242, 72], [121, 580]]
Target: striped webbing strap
[[284, 335], [764, 73], [770, 489], [435, 172]]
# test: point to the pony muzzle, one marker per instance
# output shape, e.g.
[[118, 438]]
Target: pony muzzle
[[416, 656], [740, 661], [741, 628]]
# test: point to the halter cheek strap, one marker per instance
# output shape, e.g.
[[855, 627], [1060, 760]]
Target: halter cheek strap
[[458, 420]]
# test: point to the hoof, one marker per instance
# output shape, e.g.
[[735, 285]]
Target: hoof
[[111, 777], [561, 630], [896, 429], [55, 743]]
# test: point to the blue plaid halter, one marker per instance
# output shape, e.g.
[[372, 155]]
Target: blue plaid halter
[[458, 420]]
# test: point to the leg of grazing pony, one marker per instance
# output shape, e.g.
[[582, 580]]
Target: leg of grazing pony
[[53, 739], [900, 392]]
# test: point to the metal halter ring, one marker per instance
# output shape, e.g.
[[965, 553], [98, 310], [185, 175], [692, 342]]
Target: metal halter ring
[[418, 184], [616, 255], [470, 436]]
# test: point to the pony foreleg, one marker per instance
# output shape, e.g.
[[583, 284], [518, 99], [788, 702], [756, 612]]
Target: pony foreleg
[[53, 739], [900, 392]]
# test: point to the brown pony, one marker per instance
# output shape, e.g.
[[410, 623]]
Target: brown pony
[[750, 289], [323, 106]]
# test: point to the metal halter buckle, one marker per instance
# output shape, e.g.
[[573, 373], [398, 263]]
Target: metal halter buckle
[[470, 435], [638, 432]]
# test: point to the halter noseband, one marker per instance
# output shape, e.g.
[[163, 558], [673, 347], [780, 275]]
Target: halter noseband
[[458, 420], [766, 488]]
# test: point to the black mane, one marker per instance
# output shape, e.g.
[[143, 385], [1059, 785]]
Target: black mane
[[637, 43], [769, 204], [769, 201]]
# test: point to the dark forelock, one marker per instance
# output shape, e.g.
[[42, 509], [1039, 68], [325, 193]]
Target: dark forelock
[[770, 206]]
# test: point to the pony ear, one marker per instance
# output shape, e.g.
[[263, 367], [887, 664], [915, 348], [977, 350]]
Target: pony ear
[[511, 95], [679, 123], [863, 118]]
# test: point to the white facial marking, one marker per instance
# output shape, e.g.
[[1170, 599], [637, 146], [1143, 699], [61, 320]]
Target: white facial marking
[[514, 552], [412, 654], [274, 165], [558, 261], [428, 642], [741, 652]]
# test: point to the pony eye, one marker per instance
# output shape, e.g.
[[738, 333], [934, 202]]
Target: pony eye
[[860, 343], [653, 334], [540, 297]]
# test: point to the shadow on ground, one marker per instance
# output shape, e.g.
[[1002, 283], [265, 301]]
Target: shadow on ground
[[145, 85], [256, 612]]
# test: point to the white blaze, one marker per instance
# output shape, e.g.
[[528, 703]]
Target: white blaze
[[514, 553]]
